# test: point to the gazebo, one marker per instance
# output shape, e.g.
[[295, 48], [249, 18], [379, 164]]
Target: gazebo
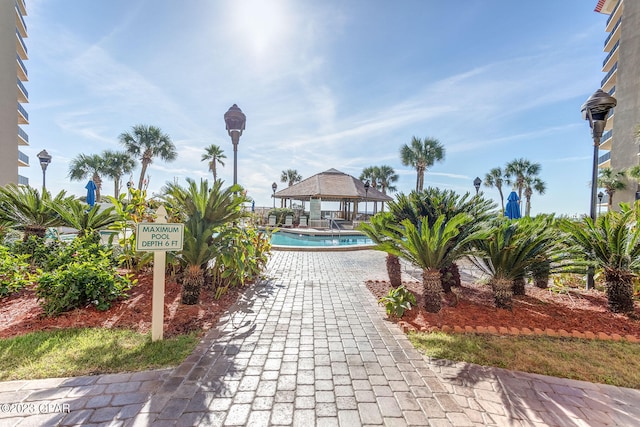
[[332, 186]]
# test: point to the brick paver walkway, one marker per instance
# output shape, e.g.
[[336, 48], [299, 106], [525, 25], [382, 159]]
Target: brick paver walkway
[[310, 346]]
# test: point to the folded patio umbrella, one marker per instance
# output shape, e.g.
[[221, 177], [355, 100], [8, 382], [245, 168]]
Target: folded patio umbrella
[[512, 209]]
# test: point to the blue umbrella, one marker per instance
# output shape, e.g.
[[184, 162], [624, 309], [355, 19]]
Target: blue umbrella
[[91, 193], [513, 207]]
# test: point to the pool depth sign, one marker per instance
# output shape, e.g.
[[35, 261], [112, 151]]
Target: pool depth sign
[[154, 236], [159, 237]]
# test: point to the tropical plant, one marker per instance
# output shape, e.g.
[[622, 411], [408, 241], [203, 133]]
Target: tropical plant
[[421, 154], [370, 173], [611, 181], [25, 209], [518, 171], [14, 272], [75, 214], [205, 210], [611, 245], [509, 249], [431, 248], [290, 176], [530, 184], [116, 164], [495, 178], [84, 166], [146, 143], [397, 301], [79, 284], [378, 229], [214, 155], [386, 177]]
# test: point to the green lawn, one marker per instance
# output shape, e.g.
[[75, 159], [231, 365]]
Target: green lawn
[[606, 362], [88, 351]]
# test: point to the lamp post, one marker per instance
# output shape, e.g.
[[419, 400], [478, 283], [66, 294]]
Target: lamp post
[[45, 159], [235, 120], [595, 110], [366, 195], [600, 196], [274, 187], [476, 183]]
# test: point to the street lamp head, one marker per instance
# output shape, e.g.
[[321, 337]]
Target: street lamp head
[[274, 187], [367, 185], [477, 182], [596, 109], [44, 158], [235, 119]]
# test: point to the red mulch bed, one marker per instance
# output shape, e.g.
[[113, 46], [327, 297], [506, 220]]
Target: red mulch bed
[[578, 310], [21, 312]]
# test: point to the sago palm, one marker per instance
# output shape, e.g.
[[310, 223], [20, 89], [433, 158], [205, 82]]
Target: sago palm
[[509, 249], [205, 210], [378, 229], [430, 248], [74, 214], [25, 209], [611, 244]]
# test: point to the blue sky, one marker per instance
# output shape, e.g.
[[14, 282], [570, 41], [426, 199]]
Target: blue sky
[[332, 84]]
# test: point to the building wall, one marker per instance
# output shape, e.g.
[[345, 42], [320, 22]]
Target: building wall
[[625, 149], [8, 94]]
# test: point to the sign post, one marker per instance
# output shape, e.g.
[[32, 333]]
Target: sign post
[[159, 237]]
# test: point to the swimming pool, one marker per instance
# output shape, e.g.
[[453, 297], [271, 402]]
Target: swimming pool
[[344, 241]]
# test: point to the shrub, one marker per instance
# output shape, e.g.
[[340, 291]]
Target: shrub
[[82, 248], [14, 272], [397, 301], [81, 283], [36, 249]]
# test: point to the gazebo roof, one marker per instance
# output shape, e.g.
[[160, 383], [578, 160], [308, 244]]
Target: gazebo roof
[[332, 186]]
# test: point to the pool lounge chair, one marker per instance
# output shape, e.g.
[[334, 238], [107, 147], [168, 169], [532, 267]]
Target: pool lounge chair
[[303, 221], [288, 221], [272, 220]]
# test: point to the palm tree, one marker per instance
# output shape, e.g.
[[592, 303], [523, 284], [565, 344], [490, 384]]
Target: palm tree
[[290, 176], [495, 178], [25, 209], [84, 166], [205, 211], [611, 181], [512, 248], [421, 155], [75, 214], [517, 171], [431, 248], [372, 174], [531, 184], [215, 155], [387, 176], [611, 244], [377, 229], [146, 142], [116, 164]]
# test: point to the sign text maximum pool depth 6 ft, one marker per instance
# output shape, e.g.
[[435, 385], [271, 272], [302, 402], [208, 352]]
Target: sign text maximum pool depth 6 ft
[[152, 236]]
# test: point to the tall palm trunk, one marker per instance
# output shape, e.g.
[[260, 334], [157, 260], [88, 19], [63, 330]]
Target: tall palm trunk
[[432, 290], [192, 284], [503, 293], [394, 271], [619, 291]]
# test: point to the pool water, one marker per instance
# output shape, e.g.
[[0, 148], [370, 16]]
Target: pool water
[[291, 239]]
